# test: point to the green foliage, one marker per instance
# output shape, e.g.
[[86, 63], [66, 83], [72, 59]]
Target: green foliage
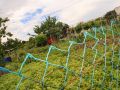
[[21, 53], [111, 15], [1, 56], [51, 28], [3, 28], [55, 75], [3, 34], [79, 38], [88, 25], [40, 40], [79, 27], [31, 43], [12, 44]]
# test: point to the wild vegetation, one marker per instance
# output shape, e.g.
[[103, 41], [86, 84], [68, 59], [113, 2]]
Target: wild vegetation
[[52, 32]]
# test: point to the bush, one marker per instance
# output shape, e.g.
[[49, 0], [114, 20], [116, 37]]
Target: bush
[[20, 55], [40, 40], [31, 43]]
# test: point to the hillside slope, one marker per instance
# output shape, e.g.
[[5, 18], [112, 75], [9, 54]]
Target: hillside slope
[[93, 64]]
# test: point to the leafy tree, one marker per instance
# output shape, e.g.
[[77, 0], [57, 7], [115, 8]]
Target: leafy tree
[[51, 28], [12, 44], [79, 27], [110, 15], [3, 28], [3, 33], [64, 30]]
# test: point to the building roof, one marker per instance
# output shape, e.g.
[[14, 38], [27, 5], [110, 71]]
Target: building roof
[[117, 10]]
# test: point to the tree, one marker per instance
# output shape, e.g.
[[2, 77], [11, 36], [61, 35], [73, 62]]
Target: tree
[[40, 40], [110, 15], [3, 28], [51, 28], [64, 30], [12, 44], [3, 33], [79, 27]]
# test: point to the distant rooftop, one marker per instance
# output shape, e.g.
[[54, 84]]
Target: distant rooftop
[[117, 10]]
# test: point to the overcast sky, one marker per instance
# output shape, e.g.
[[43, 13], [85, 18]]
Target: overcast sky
[[24, 14]]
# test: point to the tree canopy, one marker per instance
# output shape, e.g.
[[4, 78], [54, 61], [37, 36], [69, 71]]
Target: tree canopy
[[51, 28], [3, 27]]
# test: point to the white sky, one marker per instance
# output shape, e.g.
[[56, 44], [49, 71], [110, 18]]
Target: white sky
[[24, 14]]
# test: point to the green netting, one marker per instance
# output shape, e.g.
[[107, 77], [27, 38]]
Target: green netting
[[103, 33]]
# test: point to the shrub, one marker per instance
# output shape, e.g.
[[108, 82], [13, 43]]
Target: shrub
[[20, 55], [31, 43], [22, 52], [40, 40]]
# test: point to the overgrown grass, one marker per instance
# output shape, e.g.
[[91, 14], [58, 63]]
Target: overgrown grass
[[54, 78]]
